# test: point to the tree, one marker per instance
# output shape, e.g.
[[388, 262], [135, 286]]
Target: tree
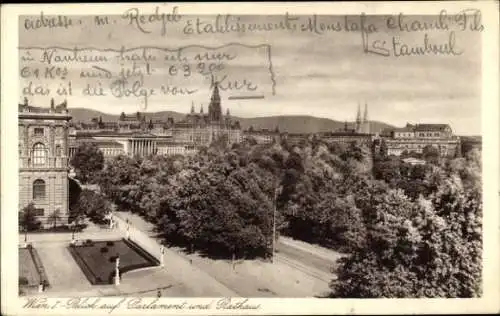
[[430, 247], [430, 154], [27, 218], [74, 192], [388, 170], [93, 205], [87, 161], [54, 217]]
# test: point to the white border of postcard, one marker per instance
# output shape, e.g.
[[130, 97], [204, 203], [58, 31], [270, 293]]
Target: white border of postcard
[[11, 303]]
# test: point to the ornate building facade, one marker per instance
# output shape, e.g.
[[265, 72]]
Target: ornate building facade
[[136, 136], [201, 129], [414, 138], [43, 158]]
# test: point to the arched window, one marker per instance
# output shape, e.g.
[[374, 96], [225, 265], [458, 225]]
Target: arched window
[[58, 150], [38, 189], [39, 154]]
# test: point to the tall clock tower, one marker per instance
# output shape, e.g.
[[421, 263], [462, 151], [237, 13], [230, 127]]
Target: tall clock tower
[[43, 158]]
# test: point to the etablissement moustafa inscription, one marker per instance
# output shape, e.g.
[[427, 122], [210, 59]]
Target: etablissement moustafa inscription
[[373, 38]]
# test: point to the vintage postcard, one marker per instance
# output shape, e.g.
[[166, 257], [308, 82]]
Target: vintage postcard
[[258, 158]]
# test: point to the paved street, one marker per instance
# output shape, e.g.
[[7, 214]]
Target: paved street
[[305, 257], [256, 278]]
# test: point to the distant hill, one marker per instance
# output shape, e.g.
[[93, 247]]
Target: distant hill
[[303, 124], [286, 123]]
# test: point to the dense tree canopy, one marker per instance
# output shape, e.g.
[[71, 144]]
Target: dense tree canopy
[[87, 161], [92, 205], [408, 230]]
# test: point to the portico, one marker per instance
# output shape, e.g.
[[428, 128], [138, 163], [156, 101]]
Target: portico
[[141, 146]]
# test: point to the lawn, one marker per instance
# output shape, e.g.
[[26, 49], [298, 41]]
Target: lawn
[[27, 269], [99, 266]]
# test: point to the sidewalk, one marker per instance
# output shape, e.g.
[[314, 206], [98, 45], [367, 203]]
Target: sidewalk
[[199, 282], [316, 250]]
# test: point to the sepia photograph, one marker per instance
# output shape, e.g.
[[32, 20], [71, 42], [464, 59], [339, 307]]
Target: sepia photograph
[[167, 154]]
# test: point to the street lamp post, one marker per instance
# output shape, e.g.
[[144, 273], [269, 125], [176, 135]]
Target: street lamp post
[[275, 198], [73, 232], [26, 223]]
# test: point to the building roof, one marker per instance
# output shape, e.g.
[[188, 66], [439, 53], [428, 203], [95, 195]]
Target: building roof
[[114, 133], [417, 128], [75, 142], [262, 132], [406, 129], [57, 110], [431, 127], [344, 134], [173, 143], [99, 141]]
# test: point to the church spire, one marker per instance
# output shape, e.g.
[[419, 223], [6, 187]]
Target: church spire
[[365, 116], [214, 109], [366, 122], [358, 119], [201, 109], [192, 107]]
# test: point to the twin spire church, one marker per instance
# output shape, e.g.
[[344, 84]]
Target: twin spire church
[[362, 125]]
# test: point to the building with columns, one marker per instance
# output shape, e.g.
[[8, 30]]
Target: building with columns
[[136, 136], [140, 144], [43, 158]]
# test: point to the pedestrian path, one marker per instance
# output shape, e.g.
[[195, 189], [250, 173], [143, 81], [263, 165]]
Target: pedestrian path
[[199, 282], [62, 271]]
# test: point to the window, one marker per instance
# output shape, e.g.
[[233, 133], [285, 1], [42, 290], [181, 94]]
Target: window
[[39, 212], [38, 189], [39, 154], [38, 131], [58, 150]]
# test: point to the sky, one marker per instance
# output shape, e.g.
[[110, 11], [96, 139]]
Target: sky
[[296, 72]]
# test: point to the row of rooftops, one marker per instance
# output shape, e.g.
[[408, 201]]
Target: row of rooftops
[[25, 108], [113, 129], [418, 128], [138, 125]]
